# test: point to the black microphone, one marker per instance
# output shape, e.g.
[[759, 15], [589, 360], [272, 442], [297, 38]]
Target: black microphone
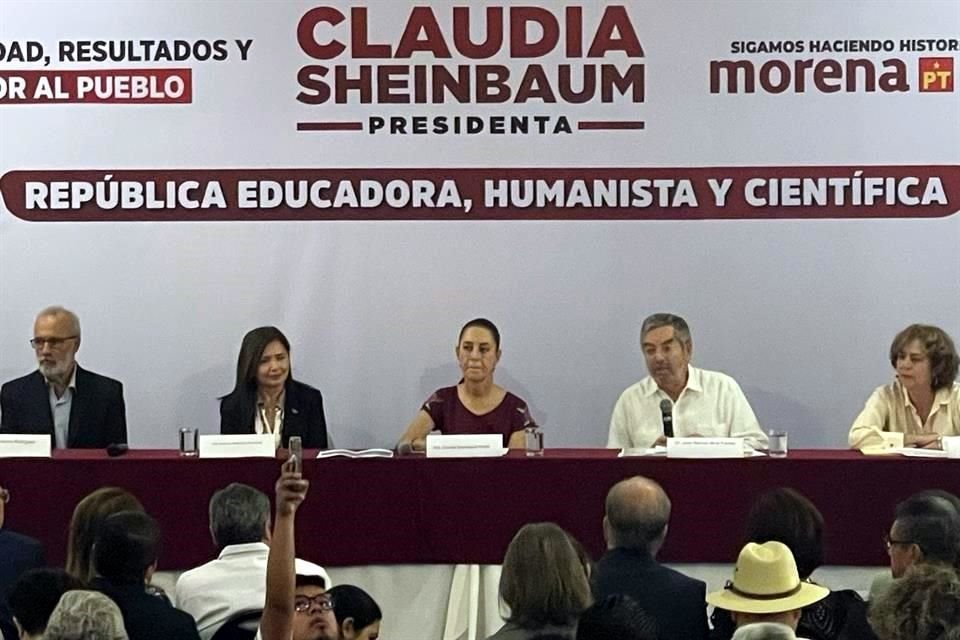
[[666, 413]]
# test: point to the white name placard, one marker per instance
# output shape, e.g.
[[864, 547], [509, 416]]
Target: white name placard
[[24, 445], [704, 447], [485, 445], [951, 444], [249, 445]]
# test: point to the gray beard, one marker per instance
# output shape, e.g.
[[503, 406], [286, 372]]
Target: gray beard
[[54, 373]]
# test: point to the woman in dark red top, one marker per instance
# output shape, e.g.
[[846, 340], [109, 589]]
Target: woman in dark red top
[[475, 404]]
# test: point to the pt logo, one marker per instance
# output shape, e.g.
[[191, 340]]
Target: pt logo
[[936, 74]]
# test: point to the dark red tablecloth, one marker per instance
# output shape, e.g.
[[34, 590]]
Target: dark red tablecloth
[[414, 510]]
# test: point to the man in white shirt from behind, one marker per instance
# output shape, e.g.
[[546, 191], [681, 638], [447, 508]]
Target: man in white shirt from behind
[[703, 403], [235, 581]]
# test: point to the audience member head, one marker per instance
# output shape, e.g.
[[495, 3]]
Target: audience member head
[[787, 516], [765, 631], [85, 615], [239, 514], [924, 604], [127, 547], [637, 513], [313, 617], [88, 515], [56, 339], [926, 529], [358, 615], [617, 616], [924, 355], [543, 581], [34, 596], [766, 587]]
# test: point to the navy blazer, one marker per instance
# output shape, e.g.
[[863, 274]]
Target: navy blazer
[[302, 416], [98, 416], [677, 602], [18, 554], [146, 616]]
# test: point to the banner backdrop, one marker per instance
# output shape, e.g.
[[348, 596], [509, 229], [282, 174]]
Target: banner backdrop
[[370, 175]]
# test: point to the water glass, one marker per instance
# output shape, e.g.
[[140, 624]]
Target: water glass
[[534, 441], [777, 443], [188, 442]]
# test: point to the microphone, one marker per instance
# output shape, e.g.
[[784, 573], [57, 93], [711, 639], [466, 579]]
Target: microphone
[[666, 413]]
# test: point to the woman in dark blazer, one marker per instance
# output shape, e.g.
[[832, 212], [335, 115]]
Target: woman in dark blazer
[[266, 398]]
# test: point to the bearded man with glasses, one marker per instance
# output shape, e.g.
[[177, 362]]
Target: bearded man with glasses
[[78, 408]]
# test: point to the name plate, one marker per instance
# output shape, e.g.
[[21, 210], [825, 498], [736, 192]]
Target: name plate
[[485, 445], [704, 447], [247, 445], [24, 445]]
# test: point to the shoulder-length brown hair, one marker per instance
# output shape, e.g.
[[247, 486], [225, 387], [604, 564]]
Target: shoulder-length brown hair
[[544, 579], [940, 350], [88, 515]]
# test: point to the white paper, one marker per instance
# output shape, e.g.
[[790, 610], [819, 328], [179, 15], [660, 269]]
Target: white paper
[[25, 445], [484, 445], [912, 452], [252, 445]]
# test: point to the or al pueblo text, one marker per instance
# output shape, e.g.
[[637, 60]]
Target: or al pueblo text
[[104, 86]]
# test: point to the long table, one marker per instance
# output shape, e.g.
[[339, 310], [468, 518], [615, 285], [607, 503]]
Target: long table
[[413, 510]]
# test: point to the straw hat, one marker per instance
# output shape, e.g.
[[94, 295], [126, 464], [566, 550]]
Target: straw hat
[[765, 580]]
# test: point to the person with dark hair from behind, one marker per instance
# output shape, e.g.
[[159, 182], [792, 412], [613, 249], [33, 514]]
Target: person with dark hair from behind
[[475, 404], [635, 527], [266, 398], [544, 583], [358, 615], [786, 516], [18, 553], [34, 597], [617, 616], [125, 557], [234, 582], [923, 604]]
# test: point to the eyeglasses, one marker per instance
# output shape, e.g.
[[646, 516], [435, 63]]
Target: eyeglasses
[[4, 496], [890, 542], [302, 604], [53, 343]]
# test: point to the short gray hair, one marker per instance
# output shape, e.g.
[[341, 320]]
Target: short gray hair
[[238, 515], [680, 328], [765, 631], [85, 615], [57, 310]]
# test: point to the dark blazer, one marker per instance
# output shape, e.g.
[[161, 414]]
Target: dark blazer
[[677, 602], [146, 616], [18, 554], [302, 415], [98, 416]]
